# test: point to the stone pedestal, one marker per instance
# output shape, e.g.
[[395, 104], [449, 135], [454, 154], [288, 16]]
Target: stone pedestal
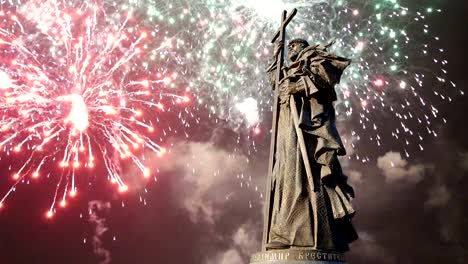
[[297, 256]]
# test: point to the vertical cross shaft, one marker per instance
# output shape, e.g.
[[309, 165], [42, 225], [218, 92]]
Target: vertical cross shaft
[[281, 35]]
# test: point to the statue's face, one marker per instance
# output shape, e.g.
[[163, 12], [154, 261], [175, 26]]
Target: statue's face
[[294, 49]]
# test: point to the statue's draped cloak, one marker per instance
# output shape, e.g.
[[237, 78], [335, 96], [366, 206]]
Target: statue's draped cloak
[[302, 215]]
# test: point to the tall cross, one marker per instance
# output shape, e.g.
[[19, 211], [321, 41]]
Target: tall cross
[[280, 34]]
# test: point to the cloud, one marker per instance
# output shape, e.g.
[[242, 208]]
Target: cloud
[[244, 241], [231, 256], [213, 185], [355, 176], [367, 247], [207, 175], [100, 228], [438, 196], [397, 169]]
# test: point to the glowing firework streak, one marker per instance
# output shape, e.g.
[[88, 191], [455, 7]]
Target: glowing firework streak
[[73, 92]]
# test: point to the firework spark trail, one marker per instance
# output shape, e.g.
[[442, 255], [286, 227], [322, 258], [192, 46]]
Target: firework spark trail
[[73, 88]]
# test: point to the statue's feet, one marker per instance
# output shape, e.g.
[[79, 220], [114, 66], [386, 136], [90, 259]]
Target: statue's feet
[[276, 244]]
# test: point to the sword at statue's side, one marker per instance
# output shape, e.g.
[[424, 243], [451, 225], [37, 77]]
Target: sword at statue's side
[[281, 35]]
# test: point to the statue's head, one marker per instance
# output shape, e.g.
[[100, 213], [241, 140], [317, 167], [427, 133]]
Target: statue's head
[[295, 46]]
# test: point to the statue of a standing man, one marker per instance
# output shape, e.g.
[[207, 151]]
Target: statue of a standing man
[[310, 198]]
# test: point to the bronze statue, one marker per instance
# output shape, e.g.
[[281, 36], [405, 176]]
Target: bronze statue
[[308, 201]]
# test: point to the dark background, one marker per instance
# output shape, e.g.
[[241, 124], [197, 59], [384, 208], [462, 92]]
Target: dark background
[[401, 222]]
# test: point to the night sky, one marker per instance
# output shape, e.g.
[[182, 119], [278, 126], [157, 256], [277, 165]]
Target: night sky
[[414, 214]]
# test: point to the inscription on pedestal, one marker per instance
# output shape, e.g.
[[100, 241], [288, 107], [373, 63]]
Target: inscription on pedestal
[[297, 255]]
